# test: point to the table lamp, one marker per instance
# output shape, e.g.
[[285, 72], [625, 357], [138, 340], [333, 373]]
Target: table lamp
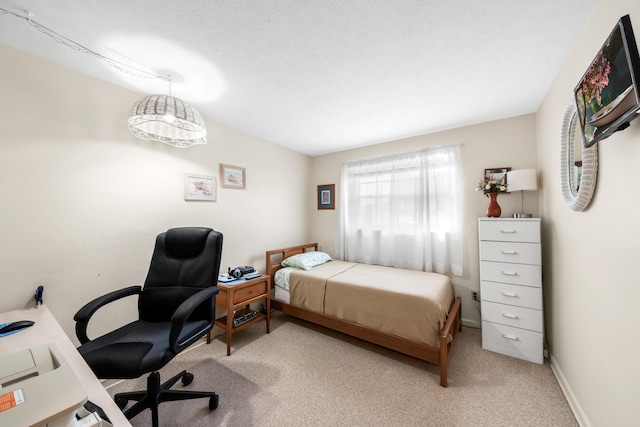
[[523, 180]]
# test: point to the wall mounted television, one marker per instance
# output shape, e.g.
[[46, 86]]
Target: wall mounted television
[[607, 96]]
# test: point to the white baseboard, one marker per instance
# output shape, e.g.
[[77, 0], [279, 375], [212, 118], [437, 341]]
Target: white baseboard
[[110, 383], [471, 323], [575, 406]]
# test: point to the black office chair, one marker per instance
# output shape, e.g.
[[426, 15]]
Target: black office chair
[[176, 307]]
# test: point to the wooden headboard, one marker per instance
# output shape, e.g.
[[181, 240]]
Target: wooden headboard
[[279, 254]]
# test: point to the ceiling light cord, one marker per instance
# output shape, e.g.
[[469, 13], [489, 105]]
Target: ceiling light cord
[[161, 118], [59, 38]]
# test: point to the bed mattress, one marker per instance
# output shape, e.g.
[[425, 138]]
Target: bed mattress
[[282, 295], [407, 303]]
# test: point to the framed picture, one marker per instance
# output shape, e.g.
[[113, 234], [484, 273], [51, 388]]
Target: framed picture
[[326, 196], [496, 174], [199, 187], [232, 177]]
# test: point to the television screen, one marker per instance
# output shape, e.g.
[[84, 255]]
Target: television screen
[[607, 95]]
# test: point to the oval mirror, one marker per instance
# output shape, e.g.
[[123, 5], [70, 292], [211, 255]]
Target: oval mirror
[[578, 165]]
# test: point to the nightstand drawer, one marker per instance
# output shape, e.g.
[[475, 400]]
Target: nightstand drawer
[[520, 253], [248, 292], [503, 293], [511, 315], [516, 274], [514, 342], [510, 231]]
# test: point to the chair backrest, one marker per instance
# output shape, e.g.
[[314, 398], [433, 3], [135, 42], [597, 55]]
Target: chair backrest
[[185, 261]]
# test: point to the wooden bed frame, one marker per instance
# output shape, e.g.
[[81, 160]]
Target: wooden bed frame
[[436, 355]]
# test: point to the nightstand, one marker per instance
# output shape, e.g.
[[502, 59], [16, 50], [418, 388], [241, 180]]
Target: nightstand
[[235, 297]]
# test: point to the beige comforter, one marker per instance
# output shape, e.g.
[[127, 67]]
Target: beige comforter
[[411, 304]]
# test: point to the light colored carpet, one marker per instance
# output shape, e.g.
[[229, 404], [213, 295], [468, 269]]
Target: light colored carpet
[[302, 374], [242, 403]]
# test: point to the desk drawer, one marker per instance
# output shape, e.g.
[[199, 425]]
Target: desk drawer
[[503, 293], [248, 292], [516, 274], [520, 253], [510, 231], [514, 342], [511, 315]]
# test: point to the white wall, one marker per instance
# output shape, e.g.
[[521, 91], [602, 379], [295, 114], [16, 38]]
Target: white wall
[[503, 143], [82, 199], [590, 264]]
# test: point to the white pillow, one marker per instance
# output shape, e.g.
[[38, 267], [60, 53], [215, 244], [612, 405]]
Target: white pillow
[[307, 260]]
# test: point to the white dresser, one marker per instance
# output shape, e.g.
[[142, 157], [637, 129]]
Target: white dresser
[[511, 287]]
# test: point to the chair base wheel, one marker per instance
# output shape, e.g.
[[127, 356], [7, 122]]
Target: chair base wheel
[[187, 379], [213, 402]]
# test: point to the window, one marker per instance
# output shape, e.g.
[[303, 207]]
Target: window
[[403, 211]]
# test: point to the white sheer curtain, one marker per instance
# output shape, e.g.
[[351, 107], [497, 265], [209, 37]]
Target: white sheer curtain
[[403, 210]]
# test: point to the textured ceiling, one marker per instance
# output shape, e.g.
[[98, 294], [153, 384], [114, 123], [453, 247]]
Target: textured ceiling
[[325, 75]]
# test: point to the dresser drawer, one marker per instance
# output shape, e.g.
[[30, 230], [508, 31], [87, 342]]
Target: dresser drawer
[[516, 274], [503, 293], [514, 342], [510, 231], [511, 315], [521, 253]]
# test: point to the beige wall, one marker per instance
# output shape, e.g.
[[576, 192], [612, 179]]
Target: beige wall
[[82, 199], [503, 143], [591, 268]]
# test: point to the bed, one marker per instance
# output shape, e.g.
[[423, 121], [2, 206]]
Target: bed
[[359, 300]]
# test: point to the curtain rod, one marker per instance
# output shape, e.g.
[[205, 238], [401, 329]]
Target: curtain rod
[[404, 153]]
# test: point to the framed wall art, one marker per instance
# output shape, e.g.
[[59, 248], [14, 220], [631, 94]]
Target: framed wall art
[[199, 187], [496, 174], [326, 196], [232, 177]]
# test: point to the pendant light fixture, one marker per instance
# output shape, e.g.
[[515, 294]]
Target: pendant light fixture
[[167, 119]]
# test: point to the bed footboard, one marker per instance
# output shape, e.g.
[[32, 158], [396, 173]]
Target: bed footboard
[[451, 328]]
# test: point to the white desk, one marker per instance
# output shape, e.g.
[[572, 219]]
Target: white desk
[[46, 329]]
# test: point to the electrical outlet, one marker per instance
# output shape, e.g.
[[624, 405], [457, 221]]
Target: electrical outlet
[[474, 296]]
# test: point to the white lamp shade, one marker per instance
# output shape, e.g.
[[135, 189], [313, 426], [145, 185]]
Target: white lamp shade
[[522, 179]]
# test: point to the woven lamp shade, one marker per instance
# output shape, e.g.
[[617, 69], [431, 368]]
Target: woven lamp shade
[[167, 119]]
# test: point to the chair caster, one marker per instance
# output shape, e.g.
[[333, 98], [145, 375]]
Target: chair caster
[[187, 379], [213, 402]]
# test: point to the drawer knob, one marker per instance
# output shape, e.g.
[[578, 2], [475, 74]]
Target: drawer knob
[[510, 316], [509, 294], [505, 252], [509, 273], [511, 337], [508, 231]]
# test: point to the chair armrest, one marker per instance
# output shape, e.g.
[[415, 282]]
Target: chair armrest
[[182, 314], [83, 315]]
